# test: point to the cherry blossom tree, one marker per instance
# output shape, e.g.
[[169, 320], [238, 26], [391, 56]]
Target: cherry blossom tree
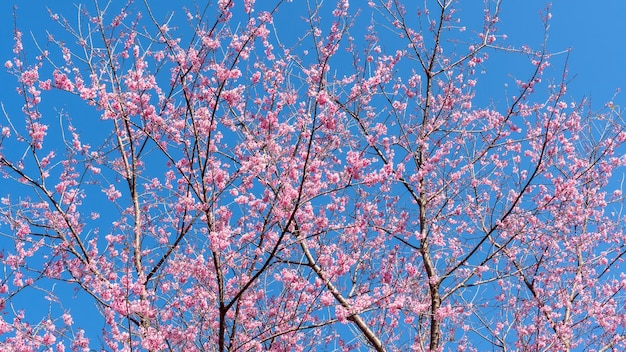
[[305, 176]]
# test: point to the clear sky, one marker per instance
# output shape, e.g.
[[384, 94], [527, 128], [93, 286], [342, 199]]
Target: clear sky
[[594, 30]]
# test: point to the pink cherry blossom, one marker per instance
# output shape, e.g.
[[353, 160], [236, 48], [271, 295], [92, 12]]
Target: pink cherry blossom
[[274, 175]]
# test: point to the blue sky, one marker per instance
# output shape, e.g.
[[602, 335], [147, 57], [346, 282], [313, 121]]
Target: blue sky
[[594, 32]]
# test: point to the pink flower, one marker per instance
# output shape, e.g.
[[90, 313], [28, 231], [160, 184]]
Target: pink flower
[[62, 82], [67, 319], [37, 133], [29, 77], [112, 193]]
